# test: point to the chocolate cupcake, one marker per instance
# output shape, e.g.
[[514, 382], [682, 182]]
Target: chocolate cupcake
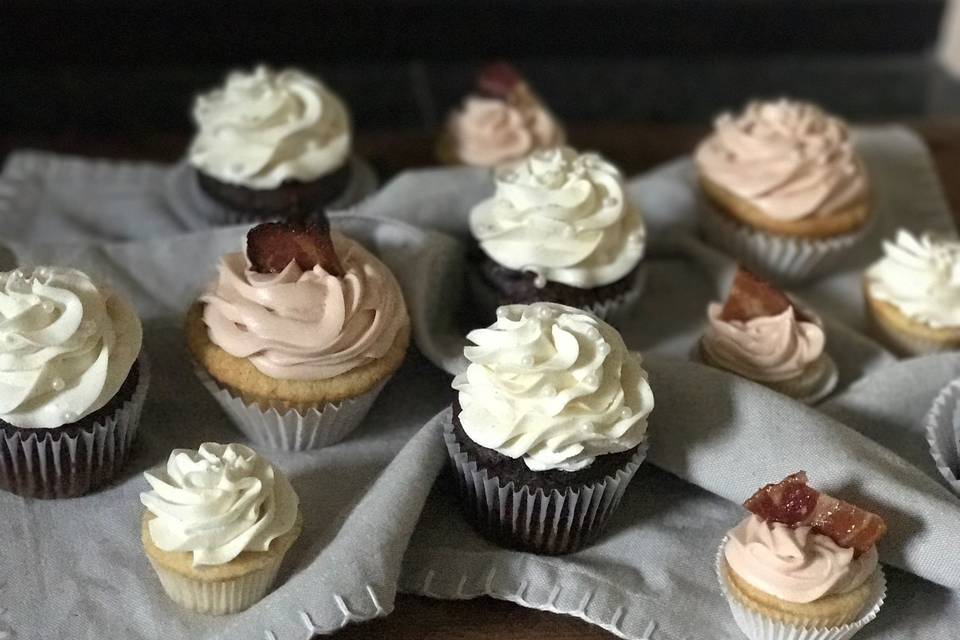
[[271, 145], [558, 229], [500, 123], [549, 427], [74, 382]]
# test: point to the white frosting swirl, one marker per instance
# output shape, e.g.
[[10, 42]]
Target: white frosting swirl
[[794, 564], [218, 502], [563, 216], [265, 127], [66, 346], [921, 277], [554, 385]]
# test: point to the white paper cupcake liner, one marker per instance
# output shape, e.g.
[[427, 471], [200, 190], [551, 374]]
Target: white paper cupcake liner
[[65, 464], [942, 425], [554, 524], [292, 430], [614, 310], [757, 626], [218, 597], [782, 259], [826, 382]]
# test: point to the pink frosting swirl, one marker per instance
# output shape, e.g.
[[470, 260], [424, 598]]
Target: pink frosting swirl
[[489, 132], [794, 564], [789, 159], [306, 325], [765, 349]]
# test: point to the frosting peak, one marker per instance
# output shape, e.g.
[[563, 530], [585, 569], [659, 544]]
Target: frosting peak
[[563, 216], [265, 127], [764, 349], [488, 132], [66, 346], [306, 325], [794, 564], [921, 277], [553, 385], [789, 159], [217, 502]]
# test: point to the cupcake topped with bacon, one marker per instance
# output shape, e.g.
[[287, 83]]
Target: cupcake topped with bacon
[[802, 561], [502, 122], [761, 334]]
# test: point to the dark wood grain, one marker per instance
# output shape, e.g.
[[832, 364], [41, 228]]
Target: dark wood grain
[[635, 147]]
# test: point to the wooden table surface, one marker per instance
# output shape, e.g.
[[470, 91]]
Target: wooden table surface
[[635, 147]]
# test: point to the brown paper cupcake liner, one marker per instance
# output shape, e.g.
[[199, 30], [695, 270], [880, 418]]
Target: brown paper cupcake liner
[[550, 524], [54, 463], [782, 259], [292, 429]]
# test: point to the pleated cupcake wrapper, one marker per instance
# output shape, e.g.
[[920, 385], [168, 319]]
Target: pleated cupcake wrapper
[[757, 626], [783, 259], [824, 387], [290, 429], [942, 425], [551, 524], [218, 597], [613, 310], [55, 464]]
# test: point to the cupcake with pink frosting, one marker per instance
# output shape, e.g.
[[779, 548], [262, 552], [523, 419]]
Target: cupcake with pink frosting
[[298, 334], [785, 189], [500, 124], [761, 335]]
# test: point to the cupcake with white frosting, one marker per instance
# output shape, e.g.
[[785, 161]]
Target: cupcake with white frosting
[[272, 144], [802, 565], [761, 334], [217, 525], [551, 412], [913, 293], [499, 124], [74, 382], [786, 192], [559, 228]]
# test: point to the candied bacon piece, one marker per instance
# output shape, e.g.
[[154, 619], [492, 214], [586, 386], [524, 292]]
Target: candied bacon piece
[[273, 245], [498, 80], [751, 297], [794, 503]]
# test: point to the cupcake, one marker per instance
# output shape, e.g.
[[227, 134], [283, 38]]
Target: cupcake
[[549, 427], [803, 565], [913, 294], [501, 123], [74, 382], [271, 145], [559, 228], [786, 192], [298, 334], [762, 335], [217, 525]]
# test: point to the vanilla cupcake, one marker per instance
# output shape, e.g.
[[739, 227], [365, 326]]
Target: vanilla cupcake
[[271, 145], [559, 228], [74, 382], [803, 565], [299, 334], [913, 294], [549, 427], [786, 191], [500, 124], [760, 334], [218, 523]]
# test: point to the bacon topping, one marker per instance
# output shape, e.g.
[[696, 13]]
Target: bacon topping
[[273, 245], [796, 504], [498, 80], [752, 297]]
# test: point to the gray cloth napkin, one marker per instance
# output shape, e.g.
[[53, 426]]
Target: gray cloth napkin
[[715, 437]]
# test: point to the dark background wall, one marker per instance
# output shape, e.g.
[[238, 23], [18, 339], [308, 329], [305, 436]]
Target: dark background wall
[[109, 67]]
